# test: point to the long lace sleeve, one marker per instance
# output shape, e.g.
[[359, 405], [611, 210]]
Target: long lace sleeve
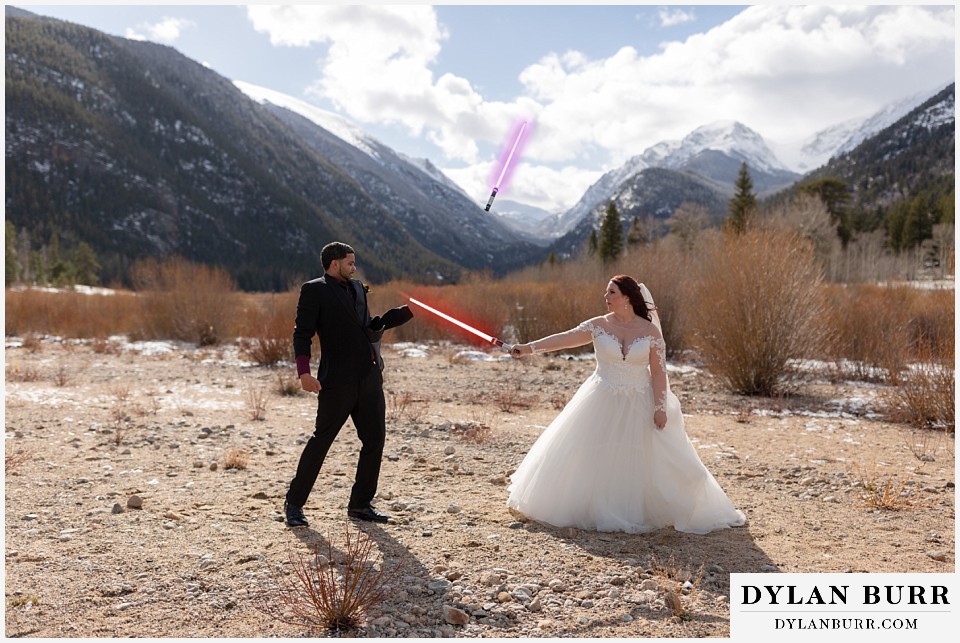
[[582, 334], [658, 373]]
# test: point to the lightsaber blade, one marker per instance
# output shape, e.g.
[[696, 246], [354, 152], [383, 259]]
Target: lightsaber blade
[[503, 171], [467, 327]]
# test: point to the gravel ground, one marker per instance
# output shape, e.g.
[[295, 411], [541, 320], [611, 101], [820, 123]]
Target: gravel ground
[[123, 518]]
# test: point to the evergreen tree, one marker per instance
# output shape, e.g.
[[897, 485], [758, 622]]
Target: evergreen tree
[[744, 202], [86, 265], [552, 259], [593, 244], [11, 263], [611, 235]]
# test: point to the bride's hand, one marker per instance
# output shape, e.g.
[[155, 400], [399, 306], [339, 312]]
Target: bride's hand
[[519, 350], [660, 419]]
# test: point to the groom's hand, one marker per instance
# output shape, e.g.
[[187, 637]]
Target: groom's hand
[[309, 383]]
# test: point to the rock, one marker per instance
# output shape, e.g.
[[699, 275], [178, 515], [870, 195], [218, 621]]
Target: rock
[[135, 502], [30, 517], [535, 605], [453, 509], [439, 586], [117, 508], [504, 597], [940, 556], [626, 618], [451, 576], [649, 585], [490, 579], [455, 616], [213, 466], [449, 450]]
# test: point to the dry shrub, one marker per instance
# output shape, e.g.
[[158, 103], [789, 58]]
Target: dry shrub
[[511, 398], [266, 328], [236, 460], [759, 304], [327, 592], [870, 330], [676, 580], [70, 314], [288, 386], [12, 461], [925, 395], [887, 493], [185, 301], [19, 373], [404, 406], [257, 399]]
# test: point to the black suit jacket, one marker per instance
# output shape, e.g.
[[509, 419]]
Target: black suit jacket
[[348, 346]]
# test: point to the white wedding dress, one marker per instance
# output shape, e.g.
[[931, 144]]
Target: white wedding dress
[[603, 465]]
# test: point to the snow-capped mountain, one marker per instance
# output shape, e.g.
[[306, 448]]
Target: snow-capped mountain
[[729, 137], [711, 154], [842, 137]]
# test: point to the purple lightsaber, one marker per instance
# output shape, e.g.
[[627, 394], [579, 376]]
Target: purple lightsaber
[[506, 165]]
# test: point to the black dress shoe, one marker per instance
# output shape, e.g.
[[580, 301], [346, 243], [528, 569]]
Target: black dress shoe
[[295, 517], [368, 513]]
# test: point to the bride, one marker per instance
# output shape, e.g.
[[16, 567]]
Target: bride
[[617, 457]]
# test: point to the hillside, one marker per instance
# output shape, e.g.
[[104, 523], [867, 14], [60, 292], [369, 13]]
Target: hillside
[[138, 151]]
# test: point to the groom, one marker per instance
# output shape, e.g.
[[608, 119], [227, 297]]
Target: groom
[[348, 381]]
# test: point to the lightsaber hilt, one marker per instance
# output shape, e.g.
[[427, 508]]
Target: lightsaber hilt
[[507, 348], [493, 195]]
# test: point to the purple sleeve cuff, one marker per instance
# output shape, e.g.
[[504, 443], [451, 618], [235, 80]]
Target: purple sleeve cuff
[[303, 364]]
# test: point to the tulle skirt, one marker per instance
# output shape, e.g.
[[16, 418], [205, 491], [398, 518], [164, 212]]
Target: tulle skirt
[[602, 465]]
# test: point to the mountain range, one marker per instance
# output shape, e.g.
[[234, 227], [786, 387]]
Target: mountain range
[[139, 151]]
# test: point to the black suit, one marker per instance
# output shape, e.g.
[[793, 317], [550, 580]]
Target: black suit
[[350, 379]]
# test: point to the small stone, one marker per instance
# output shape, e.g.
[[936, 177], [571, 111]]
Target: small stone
[[213, 466], [504, 597], [449, 450], [452, 576], [626, 618], [455, 616], [768, 568], [30, 517], [439, 586], [135, 502], [535, 605], [426, 533], [453, 509], [117, 508], [940, 556]]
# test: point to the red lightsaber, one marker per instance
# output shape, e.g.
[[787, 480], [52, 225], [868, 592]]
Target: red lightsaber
[[470, 329]]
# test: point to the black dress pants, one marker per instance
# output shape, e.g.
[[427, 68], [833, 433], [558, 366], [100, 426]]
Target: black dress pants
[[364, 403]]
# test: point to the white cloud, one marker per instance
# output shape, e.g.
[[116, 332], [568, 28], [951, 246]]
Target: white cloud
[[785, 71], [166, 31], [673, 17]]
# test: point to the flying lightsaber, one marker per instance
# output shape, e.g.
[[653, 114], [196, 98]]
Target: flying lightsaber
[[503, 171], [479, 333]]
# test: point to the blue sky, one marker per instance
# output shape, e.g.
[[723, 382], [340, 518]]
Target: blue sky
[[598, 83]]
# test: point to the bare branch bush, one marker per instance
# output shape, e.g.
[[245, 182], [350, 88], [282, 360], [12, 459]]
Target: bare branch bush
[[185, 301], [327, 592], [677, 580], [758, 305], [257, 399], [12, 461], [288, 386], [404, 405], [924, 396], [511, 398]]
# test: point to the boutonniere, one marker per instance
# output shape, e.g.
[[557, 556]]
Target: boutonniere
[[366, 287]]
